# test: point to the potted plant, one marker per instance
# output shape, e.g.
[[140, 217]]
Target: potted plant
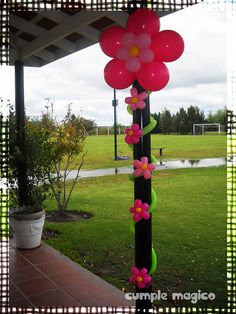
[[26, 220]]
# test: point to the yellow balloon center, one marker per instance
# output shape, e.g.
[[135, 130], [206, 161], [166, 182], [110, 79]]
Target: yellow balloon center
[[130, 133], [134, 100], [134, 51], [138, 209], [144, 166], [139, 279]]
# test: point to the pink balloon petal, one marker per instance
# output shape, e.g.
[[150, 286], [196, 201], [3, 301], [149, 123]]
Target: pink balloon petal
[[143, 272], [138, 172], [133, 64], [123, 54], [143, 40], [136, 217], [141, 285], [146, 55], [168, 45], [137, 163], [135, 270], [145, 215], [128, 40], [145, 206], [141, 104], [129, 139], [144, 21], [135, 127], [110, 40], [132, 279], [147, 175], [151, 166], [147, 278], [116, 74], [128, 100], [144, 160], [134, 106], [133, 92], [137, 203], [135, 139], [153, 76], [132, 209], [143, 96]]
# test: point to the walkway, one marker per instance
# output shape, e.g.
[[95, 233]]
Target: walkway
[[45, 277], [162, 165]]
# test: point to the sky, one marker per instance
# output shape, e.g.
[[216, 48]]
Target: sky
[[198, 77]]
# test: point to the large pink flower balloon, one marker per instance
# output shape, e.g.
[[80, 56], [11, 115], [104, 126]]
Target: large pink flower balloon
[[139, 52]]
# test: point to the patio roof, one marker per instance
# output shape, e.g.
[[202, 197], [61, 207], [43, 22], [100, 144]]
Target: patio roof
[[39, 38]]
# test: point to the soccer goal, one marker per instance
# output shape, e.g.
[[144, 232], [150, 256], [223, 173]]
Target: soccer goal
[[200, 128]]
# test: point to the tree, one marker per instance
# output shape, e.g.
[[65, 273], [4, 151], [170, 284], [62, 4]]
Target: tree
[[89, 125], [166, 121], [194, 115], [67, 141], [220, 116], [157, 117], [181, 122]]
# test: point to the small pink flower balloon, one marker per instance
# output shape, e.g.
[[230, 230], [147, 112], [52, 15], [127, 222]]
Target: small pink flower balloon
[[136, 101], [140, 277], [133, 134]]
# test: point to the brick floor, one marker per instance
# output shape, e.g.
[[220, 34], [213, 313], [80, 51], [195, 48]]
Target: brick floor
[[45, 277]]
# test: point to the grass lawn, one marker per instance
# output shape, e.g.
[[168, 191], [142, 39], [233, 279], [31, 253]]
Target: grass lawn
[[189, 228], [101, 149]]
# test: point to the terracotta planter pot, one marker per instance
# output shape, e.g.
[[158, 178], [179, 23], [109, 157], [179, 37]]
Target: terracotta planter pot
[[27, 229]]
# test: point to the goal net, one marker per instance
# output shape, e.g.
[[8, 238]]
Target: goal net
[[202, 128]]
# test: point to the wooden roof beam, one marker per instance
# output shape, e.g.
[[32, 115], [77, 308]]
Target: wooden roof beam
[[82, 18], [37, 31]]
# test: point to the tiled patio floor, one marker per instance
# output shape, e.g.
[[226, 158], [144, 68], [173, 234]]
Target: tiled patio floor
[[45, 277]]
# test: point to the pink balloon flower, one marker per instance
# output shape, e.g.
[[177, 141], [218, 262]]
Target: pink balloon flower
[[133, 134], [140, 277], [139, 52], [143, 168], [139, 210], [136, 101]]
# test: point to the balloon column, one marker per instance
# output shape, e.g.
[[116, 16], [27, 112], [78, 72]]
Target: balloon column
[[139, 53]]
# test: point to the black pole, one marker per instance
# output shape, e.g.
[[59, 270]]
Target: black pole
[[142, 190], [20, 128], [114, 103]]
